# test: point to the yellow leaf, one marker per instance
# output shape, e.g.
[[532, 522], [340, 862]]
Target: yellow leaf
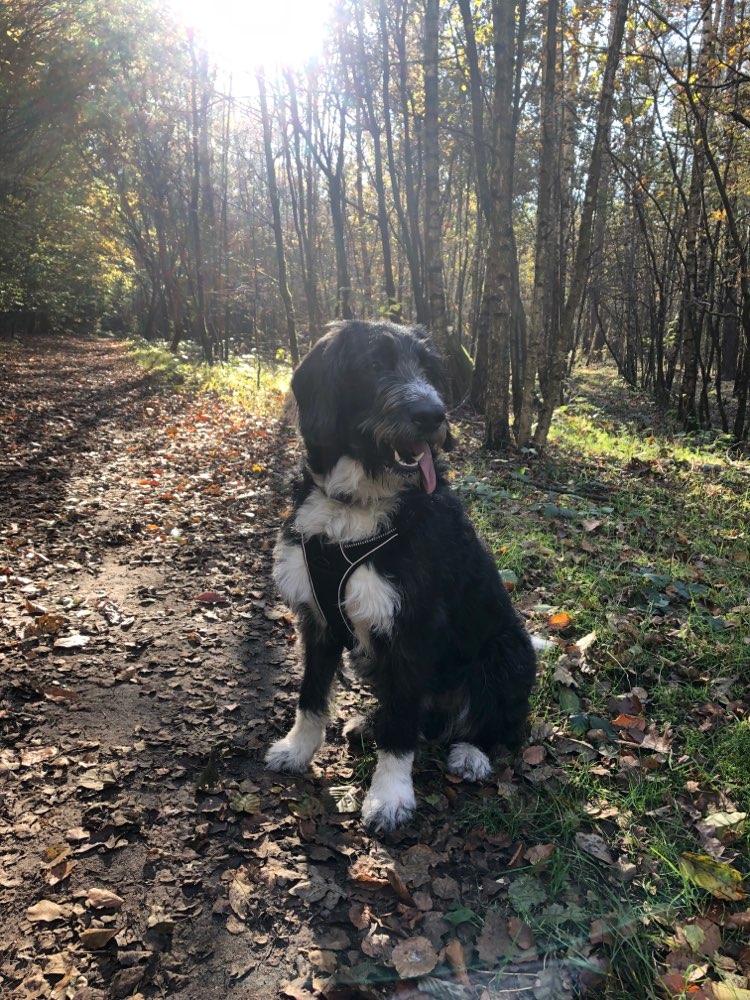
[[723, 991], [720, 879]]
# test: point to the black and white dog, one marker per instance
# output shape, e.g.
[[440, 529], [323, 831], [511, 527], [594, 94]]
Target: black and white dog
[[379, 558]]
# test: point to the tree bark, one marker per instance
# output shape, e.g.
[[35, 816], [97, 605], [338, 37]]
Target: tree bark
[[273, 194], [583, 249]]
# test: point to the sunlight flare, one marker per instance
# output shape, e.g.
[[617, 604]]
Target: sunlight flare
[[242, 35]]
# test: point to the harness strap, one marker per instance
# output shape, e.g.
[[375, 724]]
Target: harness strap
[[329, 566]]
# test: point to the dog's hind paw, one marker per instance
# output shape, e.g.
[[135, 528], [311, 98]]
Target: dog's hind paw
[[385, 815], [358, 727], [469, 762]]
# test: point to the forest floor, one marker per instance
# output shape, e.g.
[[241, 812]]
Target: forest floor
[[145, 664]]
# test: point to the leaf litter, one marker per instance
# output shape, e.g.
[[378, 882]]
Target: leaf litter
[[143, 634]]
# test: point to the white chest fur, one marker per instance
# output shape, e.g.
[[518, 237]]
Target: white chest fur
[[345, 506]]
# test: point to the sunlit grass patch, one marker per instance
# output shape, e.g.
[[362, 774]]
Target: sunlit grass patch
[[248, 381], [641, 536]]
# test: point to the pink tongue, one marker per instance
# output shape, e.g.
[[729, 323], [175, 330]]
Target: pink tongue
[[426, 467]]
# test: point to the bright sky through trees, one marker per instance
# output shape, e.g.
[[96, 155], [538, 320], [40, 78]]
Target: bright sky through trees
[[244, 34]]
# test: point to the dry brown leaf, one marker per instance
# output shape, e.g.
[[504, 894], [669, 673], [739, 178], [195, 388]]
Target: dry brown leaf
[[46, 911], [399, 887], [540, 853], [454, 953], [240, 894], [95, 938], [360, 915], [368, 872], [596, 846], [520, 933], [415, 957], [59, 871], [103, 899], [494, 941], [534, 755]]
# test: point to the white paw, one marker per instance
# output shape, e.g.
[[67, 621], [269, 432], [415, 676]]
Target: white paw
[[284, 755], [469, 762], [294, 752], [384, 815], [390, 801]]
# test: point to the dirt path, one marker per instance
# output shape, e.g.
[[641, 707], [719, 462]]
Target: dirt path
[[144, 666]]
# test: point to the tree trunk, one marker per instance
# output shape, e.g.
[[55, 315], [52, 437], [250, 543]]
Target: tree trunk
[[273, 194], [545, 229], [499, 285], [583, 249]]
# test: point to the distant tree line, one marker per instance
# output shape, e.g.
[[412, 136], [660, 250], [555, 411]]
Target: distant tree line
[[539, 182]]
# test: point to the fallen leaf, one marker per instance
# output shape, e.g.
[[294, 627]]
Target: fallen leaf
[[724, 991], [399, 887], [46, 911], [585, 641], [494, 941], [596, 846], [738, 920], [212, 597], [76, 641], [724, 822], [590, 524], [59, 872], [95, 938], [103, 899], [249, 803], [520, 933], [367, 872], [344, 798], [534, 755], [721, 880], [415, 957], [240, 894], [540, 853], [560, 621]]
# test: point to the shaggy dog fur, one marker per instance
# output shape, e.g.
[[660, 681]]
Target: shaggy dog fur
[[410, 590]]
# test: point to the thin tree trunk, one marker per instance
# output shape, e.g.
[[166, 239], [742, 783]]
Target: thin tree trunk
[[545, 228], [273, 194], [578, 277]]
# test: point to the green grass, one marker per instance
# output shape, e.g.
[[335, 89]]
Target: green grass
[[250, 382], [642, 535]]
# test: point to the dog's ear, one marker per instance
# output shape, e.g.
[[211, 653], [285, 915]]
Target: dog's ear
[[423, 334], [314, 385], [312, 390]]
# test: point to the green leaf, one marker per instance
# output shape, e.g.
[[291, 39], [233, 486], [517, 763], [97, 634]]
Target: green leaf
[[569, 700], [462, 915], [526, 893]]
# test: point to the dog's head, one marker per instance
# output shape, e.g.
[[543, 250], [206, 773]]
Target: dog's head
[[372, 391]]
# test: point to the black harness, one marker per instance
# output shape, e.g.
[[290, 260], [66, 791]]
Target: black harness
[[329, 566]]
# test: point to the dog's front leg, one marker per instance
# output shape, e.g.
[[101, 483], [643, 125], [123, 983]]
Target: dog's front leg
[[322, 658], [390, 802]]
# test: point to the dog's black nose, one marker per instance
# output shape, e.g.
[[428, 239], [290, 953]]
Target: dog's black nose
[[427, 416]]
